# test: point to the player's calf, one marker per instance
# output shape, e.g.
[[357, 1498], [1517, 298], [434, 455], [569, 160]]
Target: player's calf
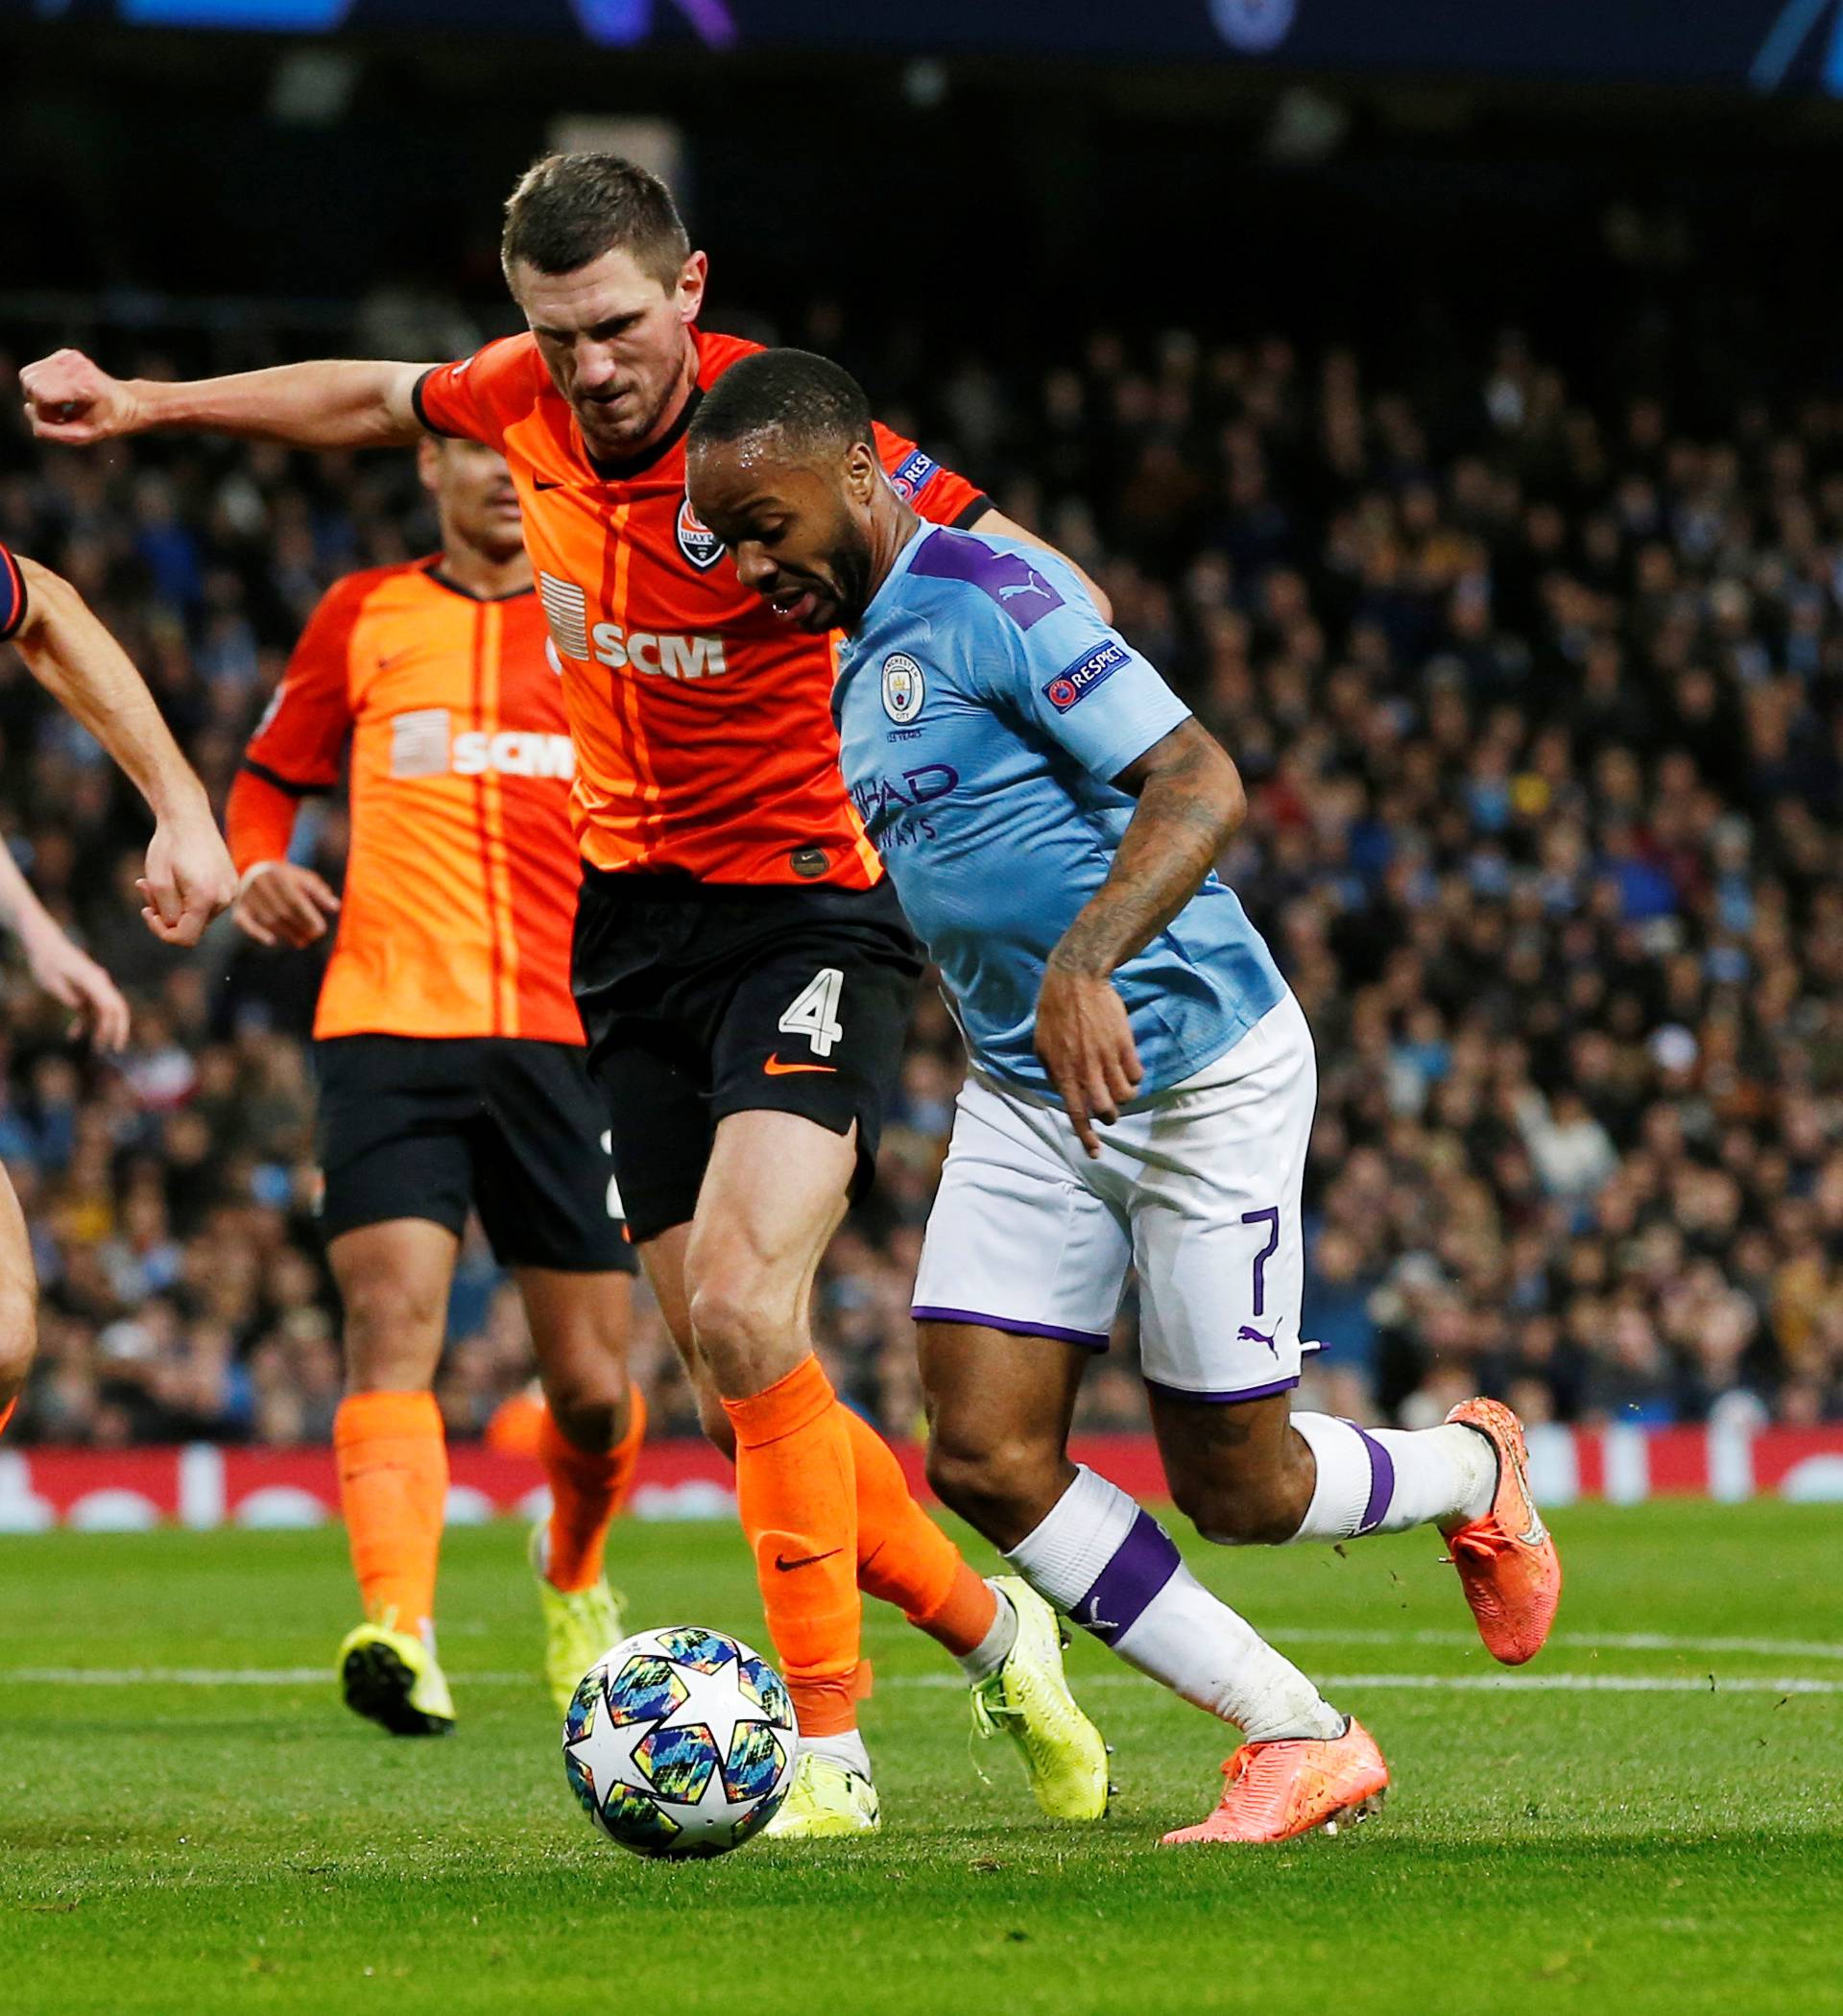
[[1252, 1500]]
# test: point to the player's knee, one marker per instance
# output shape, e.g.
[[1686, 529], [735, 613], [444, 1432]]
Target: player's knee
[[1245, 1504], [590, 1415], [393, 1333], [742, 1324], [585, 1386]]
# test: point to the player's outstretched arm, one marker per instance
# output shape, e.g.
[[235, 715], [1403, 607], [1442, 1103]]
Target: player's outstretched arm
[[993, 519], [334, 403], [1190, 800], [189, 877]]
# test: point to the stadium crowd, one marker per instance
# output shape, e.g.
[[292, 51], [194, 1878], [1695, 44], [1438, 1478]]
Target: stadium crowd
[[1538, 698]]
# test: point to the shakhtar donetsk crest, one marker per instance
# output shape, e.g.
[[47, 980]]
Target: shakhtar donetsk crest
[[904, 688], [699, 545]]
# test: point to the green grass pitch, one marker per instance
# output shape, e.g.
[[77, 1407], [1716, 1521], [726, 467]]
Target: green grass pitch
[[190, 1823]]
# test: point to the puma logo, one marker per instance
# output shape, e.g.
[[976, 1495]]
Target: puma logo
[[1249, 1334]]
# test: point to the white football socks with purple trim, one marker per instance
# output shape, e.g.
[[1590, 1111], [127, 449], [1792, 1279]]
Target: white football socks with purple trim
[[1108, 1565], [1385, 1480]]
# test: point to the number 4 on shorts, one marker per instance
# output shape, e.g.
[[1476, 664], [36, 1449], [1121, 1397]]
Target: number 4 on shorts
[[813, 1012]]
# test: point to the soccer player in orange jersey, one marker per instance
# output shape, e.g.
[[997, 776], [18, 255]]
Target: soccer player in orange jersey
[[189, 880], [743, 971], [451, 1060]]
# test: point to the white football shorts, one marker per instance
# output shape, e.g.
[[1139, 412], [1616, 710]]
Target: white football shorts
[[1198, 1193]]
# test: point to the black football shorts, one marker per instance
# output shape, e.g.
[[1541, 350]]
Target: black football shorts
[[702, 1000], [427, 1127]]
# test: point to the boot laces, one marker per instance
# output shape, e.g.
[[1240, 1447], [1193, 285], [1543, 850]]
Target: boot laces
[[990, 1710], [1483, 1541]]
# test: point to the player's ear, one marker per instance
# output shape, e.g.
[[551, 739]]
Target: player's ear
[[428, 462], [689, 293], [862, 471]]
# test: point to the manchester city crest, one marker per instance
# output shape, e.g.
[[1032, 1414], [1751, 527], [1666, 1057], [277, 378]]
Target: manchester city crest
[[903, 687], [699, 545]]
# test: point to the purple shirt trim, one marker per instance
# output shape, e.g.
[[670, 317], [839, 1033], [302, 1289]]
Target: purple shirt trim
[[1266, 1392], [1006, 577], [1016, 1325], [1139, 1568]]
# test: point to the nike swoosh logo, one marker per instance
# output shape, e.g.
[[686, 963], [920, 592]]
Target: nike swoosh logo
[[787, 1567], [777, 1069], [1535, 1533], [539, 483]]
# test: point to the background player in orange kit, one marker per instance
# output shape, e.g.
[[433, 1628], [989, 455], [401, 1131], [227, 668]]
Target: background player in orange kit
[[189, 880], [743, 971], [450, 1061]]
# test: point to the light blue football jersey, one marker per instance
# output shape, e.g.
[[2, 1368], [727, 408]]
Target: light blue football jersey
[[983, 709]]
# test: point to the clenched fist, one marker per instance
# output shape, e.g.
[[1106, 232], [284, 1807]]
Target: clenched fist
[[72, 399], [189, 877]]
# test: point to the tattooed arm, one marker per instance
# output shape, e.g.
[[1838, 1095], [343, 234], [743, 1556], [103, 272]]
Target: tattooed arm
[[1190, 800]]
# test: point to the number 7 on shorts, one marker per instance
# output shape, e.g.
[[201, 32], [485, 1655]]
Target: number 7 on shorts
[[1270, 1217]]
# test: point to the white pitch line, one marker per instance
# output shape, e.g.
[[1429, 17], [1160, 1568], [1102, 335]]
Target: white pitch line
[[1302, 1634], [212, 1676], [1480, 1683], [1589, 1682], [1457, 1683], [1565, 1641]]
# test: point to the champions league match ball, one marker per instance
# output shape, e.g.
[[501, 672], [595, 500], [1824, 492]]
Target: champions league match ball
[[681, 1742]]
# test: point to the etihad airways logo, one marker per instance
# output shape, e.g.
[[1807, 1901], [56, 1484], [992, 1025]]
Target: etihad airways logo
[[668, 654]]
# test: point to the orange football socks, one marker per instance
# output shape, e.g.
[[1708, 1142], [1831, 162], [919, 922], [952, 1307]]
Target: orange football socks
[[587, 1490], [393, 1488], [905, 1559], [798, 1498]]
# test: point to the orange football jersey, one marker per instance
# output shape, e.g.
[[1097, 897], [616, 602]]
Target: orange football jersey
[[460, 883], [702, 722]]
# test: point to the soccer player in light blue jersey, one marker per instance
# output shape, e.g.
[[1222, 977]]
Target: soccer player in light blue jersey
[[1140, 1095]]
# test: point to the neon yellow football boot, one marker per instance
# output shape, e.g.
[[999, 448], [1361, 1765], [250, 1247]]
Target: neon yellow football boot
[[826, 1800], [391, 1678], [1028, 1699], [580, 1624]]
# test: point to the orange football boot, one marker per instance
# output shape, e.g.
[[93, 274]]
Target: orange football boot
[[1507, 1563], [1276, 1790]]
